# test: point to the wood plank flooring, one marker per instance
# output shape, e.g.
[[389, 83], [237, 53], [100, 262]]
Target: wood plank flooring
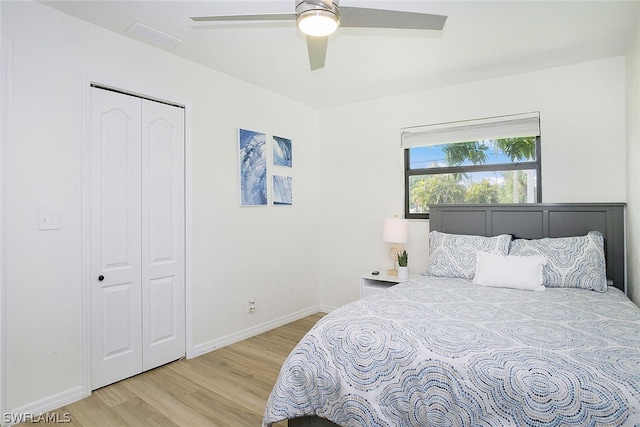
[[226, 387]]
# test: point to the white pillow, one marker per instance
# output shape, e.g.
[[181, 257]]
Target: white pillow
[[518, 272]]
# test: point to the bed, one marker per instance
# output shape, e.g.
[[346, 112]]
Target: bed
[[445, 350]]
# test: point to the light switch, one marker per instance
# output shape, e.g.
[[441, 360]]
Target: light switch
[[48, 220]]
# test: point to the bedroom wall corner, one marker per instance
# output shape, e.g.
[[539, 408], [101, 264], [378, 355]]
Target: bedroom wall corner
[[5, 100], [632, 82]]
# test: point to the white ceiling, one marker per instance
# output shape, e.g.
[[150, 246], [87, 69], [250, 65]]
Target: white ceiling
[[481, 40]]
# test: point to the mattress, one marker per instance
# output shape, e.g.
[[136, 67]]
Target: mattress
[[442, 351]]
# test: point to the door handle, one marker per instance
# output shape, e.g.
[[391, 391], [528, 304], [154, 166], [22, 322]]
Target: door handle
[[100, 278]]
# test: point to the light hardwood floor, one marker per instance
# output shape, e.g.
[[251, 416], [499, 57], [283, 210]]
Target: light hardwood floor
[[226, 387]]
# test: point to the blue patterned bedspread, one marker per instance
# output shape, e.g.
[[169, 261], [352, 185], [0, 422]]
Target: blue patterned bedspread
[[445, 352]]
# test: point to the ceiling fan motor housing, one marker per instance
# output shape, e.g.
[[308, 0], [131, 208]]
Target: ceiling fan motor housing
[[306, 8]]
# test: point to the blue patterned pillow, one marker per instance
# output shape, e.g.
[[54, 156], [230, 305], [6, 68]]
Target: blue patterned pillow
[[573, 262], [454, 255]]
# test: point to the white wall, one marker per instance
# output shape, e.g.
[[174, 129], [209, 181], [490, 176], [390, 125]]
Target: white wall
[[633, 166], [267, 253], [582, 114]]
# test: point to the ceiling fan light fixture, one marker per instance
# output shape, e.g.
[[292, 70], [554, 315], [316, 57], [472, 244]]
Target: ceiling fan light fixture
[[317, 23]]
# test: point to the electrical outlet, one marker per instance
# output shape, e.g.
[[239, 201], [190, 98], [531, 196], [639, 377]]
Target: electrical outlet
[[252, 305]]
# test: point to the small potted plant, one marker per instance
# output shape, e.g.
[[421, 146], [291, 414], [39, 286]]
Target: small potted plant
[[403, 260]]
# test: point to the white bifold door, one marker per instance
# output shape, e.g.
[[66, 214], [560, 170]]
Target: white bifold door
[[137, 235]]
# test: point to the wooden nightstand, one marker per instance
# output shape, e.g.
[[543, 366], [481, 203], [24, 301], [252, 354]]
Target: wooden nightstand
[[371, 284]]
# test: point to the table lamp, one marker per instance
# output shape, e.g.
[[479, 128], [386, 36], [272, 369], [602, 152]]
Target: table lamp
[[395, 231]]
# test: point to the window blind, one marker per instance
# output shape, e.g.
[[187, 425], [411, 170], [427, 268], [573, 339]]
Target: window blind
[[511, 126]]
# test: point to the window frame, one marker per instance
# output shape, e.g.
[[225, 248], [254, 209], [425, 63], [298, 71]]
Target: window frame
[[496, 167]]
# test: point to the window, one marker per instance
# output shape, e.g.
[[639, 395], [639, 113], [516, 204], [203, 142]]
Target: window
[[495, 160]]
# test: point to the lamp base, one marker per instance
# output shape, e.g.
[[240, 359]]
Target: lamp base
[[392, 272]]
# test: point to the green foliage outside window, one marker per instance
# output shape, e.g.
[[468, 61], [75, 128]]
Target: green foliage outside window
[[497, 171]]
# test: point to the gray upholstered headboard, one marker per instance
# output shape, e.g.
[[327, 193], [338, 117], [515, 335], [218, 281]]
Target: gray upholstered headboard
[[537, 220]]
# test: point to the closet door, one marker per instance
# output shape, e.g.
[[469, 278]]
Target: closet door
[[116, 305], [137, 235], [163, 270]]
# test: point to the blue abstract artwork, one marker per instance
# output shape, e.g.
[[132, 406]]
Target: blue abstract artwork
[[253, 168], [282, 194], [281, 151]]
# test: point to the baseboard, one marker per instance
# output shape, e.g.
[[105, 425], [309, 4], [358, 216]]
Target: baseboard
[[32, 410], [208, 346], [327, 308]]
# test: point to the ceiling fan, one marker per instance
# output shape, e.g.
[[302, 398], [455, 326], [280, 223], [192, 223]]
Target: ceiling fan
[[317, 19]]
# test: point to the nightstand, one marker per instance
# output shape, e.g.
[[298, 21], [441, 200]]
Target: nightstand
[[371, 284]]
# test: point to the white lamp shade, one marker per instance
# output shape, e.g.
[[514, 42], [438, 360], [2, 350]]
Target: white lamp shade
[[395, 230]]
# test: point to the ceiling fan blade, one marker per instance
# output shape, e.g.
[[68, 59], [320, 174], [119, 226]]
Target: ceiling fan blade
[[380, 18], [261, 17], [317, 47]]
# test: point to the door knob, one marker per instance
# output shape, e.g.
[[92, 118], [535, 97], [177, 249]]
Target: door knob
[[101, 277]]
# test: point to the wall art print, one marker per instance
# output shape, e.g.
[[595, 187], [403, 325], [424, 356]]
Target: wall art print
[[282, 193], [253, 168], [282, 151]]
